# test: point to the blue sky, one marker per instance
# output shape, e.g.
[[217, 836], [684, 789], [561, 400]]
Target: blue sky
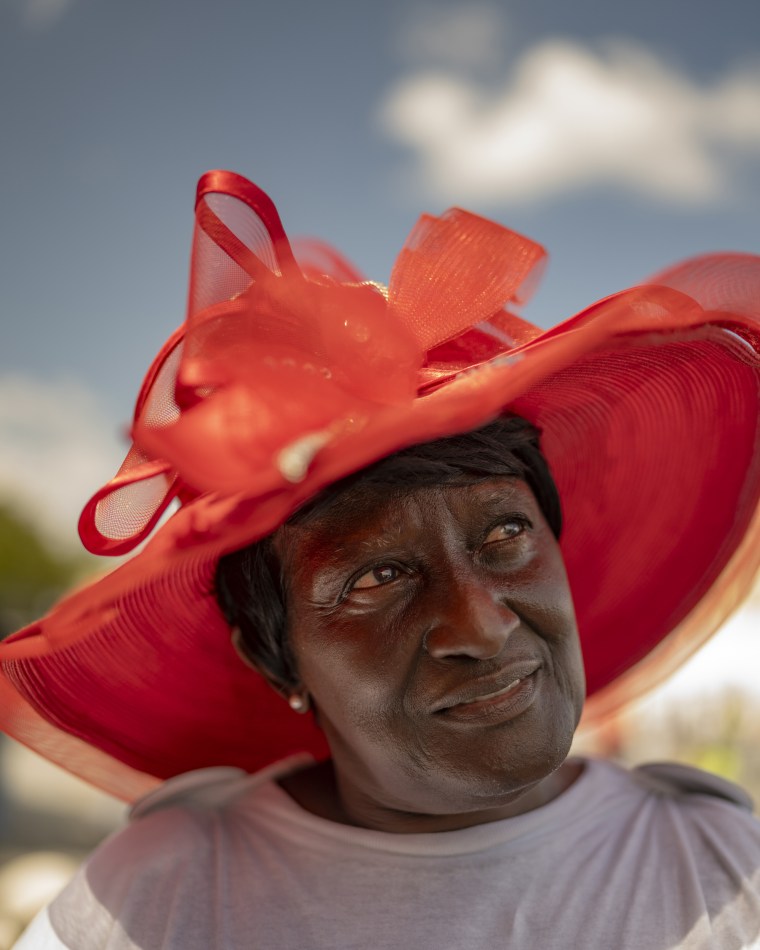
[[622, 136]]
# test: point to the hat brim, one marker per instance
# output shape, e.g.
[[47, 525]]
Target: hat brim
[[648, 407]]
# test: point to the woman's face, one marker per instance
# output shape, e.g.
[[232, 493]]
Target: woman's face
[[434, 631]]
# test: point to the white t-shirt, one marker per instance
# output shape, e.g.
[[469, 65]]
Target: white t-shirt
[[653, 859]]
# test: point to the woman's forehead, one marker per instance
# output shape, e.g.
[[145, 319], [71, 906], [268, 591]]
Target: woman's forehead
[[370, 513]]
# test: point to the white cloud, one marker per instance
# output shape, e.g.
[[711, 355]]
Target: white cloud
[[56, 449], [39, 14], [470, 36], [570, 117]]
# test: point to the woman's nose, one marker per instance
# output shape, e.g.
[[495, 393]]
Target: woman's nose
[[470, 620]]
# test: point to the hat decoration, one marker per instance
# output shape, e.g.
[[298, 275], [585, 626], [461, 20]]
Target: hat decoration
[[350, 350]]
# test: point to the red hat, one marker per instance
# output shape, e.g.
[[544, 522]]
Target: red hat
[[287, 377]]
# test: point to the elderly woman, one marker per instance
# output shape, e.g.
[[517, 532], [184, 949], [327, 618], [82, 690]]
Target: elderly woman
[[369, 522]]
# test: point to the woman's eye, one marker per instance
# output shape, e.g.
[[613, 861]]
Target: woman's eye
[[506, 531], [384, 574]]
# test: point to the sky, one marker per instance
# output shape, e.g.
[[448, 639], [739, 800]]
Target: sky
[[621, 136]]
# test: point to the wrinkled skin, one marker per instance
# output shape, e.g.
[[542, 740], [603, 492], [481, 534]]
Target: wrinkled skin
[[400, 607]]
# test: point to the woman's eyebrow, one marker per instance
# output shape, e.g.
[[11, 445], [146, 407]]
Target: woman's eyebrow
[[350, 549], [330, 548], [497, 496]]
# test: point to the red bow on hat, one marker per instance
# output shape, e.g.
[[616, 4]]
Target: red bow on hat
[[212, 413]]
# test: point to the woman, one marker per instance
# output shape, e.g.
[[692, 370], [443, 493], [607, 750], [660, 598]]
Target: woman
[[401, 594]]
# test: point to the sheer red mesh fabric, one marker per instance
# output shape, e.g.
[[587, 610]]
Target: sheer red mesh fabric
[[456, 271], [125, 511], [318, 260], [258, 327], [717, 282]]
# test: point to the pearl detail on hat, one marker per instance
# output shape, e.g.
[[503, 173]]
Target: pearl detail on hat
[[293, 461]]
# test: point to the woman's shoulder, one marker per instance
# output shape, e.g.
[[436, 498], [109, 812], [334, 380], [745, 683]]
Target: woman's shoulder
[[691, 785], [182, 820], [211, 789], [675, 791], [683, 815], [178, 841]]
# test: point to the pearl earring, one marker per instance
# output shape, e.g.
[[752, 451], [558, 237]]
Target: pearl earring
[[299, 702]]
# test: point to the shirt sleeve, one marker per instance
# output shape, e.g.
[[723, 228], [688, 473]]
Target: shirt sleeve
[[129, 893], [144, 887]]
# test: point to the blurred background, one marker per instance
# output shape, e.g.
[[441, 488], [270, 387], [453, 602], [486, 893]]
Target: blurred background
[[622, 136]]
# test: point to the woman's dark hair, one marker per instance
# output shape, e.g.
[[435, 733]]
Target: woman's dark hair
[[249, 583]]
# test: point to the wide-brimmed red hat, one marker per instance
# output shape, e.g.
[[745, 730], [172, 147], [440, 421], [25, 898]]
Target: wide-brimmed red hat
[[288, 376]]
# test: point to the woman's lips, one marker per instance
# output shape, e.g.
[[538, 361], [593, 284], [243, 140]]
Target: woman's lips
[[484, 687], [498, 692], [498, 706]]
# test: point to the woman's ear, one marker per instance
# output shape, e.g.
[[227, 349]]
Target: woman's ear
[[236, 636], [295, 694]]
